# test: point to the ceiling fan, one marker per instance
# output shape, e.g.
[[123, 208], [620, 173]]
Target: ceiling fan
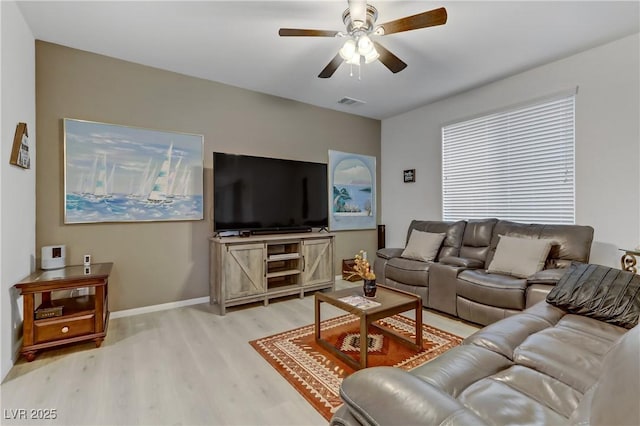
[[360, 20]]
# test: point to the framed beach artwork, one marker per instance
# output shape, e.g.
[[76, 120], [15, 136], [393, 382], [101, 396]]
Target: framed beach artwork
[[117, 173], [352, 191]]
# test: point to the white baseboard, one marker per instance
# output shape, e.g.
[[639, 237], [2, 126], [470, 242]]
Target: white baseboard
[[165, 306], [161, 307]]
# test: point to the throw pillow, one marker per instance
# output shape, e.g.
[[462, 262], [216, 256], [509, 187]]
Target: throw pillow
[[600, 292], [423, 246], [520, 257]]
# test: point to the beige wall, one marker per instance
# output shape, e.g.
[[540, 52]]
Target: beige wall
[[163, 262]]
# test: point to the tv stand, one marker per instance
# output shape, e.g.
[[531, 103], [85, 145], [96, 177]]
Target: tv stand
[[262, 267]]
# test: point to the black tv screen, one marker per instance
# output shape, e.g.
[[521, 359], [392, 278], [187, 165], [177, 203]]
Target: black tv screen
[[268, 194]]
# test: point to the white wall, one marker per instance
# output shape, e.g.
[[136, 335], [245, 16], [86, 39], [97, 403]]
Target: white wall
[[18, 193], [607, 144]]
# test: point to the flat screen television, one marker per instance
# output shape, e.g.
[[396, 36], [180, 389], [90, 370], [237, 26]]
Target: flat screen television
[[268, 195]]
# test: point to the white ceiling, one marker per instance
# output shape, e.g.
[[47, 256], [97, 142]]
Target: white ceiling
[[237, 43]]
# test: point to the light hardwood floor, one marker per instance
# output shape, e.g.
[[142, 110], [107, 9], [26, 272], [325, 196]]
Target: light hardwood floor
[[186, 366]]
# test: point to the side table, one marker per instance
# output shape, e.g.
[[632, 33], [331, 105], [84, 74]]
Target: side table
[[56, 322], [628, 260]]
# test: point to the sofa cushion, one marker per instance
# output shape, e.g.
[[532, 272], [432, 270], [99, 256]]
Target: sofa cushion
[[399, 398], [520, 257], [569, 351], [423, 246], [408, 271], [453, 234], [600, 292], [457, 368], [571, 242], [502, 291], [520, 396]]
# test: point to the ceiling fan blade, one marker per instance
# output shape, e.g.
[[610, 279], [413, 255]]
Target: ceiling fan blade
[[421, 20], [389, 60], [294, 32], [331, 67]]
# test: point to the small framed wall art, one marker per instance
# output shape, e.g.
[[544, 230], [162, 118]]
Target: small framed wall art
[[409, 175], [20, 150], [352, 191]]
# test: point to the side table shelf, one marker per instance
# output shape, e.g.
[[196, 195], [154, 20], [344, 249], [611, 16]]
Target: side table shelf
[[66, 320]]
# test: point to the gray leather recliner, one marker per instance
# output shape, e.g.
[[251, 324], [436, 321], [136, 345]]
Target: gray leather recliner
[[457, 282], [542, 366]]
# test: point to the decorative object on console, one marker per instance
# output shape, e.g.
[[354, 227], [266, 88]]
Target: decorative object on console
[[360, 21], [128, 174], [20, 150], [352, 191], [316, 373], [53, 257]]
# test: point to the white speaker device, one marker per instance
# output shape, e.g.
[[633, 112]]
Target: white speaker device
[[53, 257]]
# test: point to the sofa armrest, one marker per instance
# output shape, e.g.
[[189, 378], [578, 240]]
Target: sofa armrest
[[463, 262], [401, 398], [547, 276], [389, 253]]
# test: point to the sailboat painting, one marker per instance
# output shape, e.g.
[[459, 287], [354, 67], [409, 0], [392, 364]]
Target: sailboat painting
[[117, 173]]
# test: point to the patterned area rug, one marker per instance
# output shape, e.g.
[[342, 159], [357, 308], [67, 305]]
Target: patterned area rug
[[317, 374]]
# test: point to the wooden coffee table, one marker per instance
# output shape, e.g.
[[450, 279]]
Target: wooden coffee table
[[392, 301]]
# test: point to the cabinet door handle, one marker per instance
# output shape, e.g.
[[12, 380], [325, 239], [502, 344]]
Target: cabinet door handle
[[304, 264], [65, 329]]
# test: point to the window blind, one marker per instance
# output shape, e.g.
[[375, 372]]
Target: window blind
[[515, 165]]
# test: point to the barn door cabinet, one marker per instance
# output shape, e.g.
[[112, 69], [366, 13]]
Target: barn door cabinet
[[259, 268]]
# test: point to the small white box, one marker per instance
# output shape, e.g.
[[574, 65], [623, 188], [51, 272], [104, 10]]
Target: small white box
[[53, 257], [86, 259]]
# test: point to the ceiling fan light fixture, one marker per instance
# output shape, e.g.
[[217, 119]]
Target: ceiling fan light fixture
[[354, 60], [348, 50], [372, 56], [364, 45]]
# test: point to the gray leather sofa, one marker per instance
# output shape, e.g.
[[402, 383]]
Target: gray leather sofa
[[457, 281], [541, 366]]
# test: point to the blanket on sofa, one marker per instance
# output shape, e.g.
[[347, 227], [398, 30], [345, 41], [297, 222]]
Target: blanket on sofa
[[604, 293]]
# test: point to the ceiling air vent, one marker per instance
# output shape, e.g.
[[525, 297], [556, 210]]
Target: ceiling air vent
[[350, 101]]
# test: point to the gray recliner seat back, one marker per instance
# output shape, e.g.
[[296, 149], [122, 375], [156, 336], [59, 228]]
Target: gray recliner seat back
[[477, 239]]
